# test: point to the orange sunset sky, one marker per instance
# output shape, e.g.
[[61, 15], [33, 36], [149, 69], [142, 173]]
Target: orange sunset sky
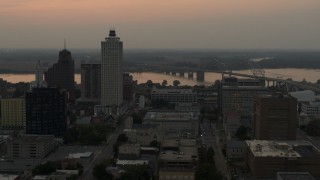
[[209, 24]]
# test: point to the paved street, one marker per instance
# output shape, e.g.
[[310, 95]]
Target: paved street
[[104, 152], [210, 139]]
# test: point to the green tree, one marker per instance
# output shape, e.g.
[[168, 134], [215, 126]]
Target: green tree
[[164, 83], [139, 172], [137, 119], [99, 171], [71, 135], [45, 169], [154, 143], [210, 155], [241, 133], [176, 83], [207, 171]]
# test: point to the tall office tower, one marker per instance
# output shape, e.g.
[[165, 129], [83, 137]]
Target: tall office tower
[[46, 110], [3, 88], [61, 74], [275, 117], [12, 113], [128, 84], [90, 82], [111, 71], [39, 82]]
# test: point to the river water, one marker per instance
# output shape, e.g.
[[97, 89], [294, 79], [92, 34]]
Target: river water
[[311, 75]]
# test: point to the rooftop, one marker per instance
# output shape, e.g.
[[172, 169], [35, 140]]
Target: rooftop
[[179, 143], [183, 154], [264, 148], [80, 155], [169, 116], [295, 176], [132, 162], [34, 138]]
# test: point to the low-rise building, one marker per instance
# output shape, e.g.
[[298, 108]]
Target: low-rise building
[[236, 149], [173, 125], [266, 158], [143, 134], [178, 159], [129, 151], [174, 95], [30, 146], [311, 108], [294, 176]]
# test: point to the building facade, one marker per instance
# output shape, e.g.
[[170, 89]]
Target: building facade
[[275, 117], [13, 113], [128, 85], [30, 146], [46, 110], [61, 74], [111, 71], [266, 158], [174, 95], [91, 82]]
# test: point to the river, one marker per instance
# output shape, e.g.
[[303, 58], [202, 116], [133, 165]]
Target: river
[[311, 75]]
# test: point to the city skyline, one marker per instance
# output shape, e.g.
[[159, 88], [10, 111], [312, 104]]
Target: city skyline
[[209, 24]]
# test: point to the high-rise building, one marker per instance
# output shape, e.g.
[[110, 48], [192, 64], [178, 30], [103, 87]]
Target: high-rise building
[[46, 110], [61, 74], [3, 88], [111, 71], [91, 82], [275, 117], [39, 82], [12, 113], [128, 84]]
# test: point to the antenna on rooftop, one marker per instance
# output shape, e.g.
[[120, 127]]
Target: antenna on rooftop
[[65, 43]]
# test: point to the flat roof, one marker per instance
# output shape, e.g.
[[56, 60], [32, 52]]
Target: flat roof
[[169, 116], [34, 138], [183, 154], [178, 143], [132, 162], [80, 155], [295, 176], [264, 148]]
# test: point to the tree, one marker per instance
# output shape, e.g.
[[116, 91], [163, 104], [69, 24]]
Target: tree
[[207, 171], [99, 171], [176, 83], [164, 83], [71, 135], [241, 133], [210, 154], [154, 143], [137, 119], [122, 138], [45, 169], [149, 84], [139, 172]]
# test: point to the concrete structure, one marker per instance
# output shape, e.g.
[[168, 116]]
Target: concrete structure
[[61, 74], [30, 146], [266, 158], [129, 152], [236, 149], [91, 82], [142, 101], [187, 107], [111, 71], [294, 176], [240, 99], [174, 95], [12, 113], [144, 134], [311, 108], [231, 123], [304, 96], [178, 159], [174, 124], [275, 117], [46, 111]]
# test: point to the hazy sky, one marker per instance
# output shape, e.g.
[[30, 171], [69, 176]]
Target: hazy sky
[[210, 24]]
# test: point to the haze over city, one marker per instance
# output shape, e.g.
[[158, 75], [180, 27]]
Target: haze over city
[[195, 24]]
